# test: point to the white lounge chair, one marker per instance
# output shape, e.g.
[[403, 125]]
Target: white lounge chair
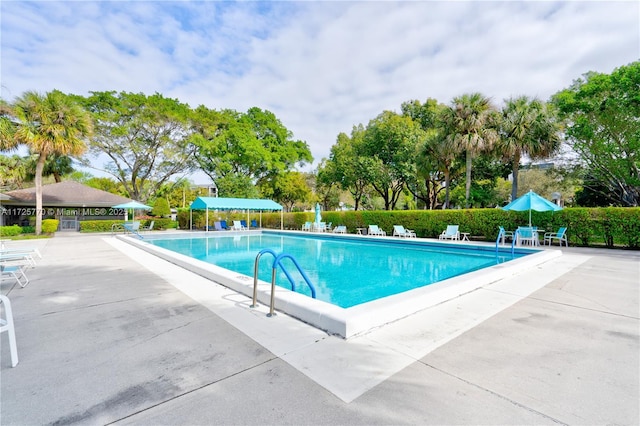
[[374, 230], [400, 231], [450, 233], [340, 229], [6, 324], [149, 227], [237, 226], [15, 272], [560, 236]]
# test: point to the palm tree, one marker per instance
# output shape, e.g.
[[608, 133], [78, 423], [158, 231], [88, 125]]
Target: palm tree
[[469, 125], [528, 127], [50, 124], [442, 152]]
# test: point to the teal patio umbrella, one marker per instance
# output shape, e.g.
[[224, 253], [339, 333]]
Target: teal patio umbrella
[[135, 205], [531, 201]]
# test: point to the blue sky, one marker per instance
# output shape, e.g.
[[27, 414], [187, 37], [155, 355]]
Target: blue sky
[[321, 67]]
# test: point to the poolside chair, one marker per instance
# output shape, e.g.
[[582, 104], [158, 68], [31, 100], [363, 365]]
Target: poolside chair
[[450, 233], [375, 231], [527, 235], [244, 224], [340, 229], [6, 324], [306, 226], [16, 272], [237, 226], [400, 231], [149, 227], [254, 223], [217, 226], [504, 234], [132, 227], [560, 236]]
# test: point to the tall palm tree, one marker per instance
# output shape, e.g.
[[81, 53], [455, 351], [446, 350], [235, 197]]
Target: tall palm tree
[[528, 127], [443, 153], [47, 124], [470, 124]]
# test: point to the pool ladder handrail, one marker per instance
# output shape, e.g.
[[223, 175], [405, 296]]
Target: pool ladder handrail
[[513, 240], [277, 261]]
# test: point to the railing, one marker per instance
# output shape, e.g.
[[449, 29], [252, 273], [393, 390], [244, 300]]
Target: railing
[[277, 261]]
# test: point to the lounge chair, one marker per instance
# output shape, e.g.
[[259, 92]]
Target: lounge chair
[[306, 226], [217, 226], [254, 223], [6, 324], [450, 233], [237, 226], [223, 224], [244, 224], [374, 230], [15, 272], [21, 257], [560, 236], [340, 229], [400, 231]]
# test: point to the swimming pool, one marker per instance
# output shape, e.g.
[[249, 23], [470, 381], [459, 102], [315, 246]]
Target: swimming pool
[[357, 319], [345, 272]]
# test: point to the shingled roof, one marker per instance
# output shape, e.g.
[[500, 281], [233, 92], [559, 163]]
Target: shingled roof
[[65, 194]]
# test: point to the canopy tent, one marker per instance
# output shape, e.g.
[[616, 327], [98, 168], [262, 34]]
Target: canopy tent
[[248, 204]]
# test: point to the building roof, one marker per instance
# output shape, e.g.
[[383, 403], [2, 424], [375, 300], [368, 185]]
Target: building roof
[[65, 194], [214, 203]]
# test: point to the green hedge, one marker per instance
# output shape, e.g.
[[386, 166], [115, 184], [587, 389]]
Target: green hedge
[[606, 226], [10, 231], [106, 225]]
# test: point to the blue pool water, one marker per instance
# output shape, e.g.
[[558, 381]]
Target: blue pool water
[[345, 271]]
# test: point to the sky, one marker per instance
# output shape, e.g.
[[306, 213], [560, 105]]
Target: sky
[[320, 66]]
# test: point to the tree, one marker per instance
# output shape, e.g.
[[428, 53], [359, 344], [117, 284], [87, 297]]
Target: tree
[[47, 124], [250, 147], [288, 188], [161, 207], [528, 127], [604, 130], [56, 165], [391, 141], [147, 139], [346, 167], [470, 124], [13, 172]]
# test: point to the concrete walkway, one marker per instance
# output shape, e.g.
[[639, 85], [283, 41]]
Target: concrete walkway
[[107, 335]]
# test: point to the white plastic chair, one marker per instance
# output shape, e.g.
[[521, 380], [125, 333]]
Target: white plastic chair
[[6, 324], [450, 233]]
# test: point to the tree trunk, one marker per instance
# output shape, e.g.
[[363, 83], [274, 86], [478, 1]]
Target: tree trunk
[[447, 184], [38, 178], [468, 184], [514, 182]]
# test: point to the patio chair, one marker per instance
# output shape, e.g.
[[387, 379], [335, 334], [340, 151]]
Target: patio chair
[[237, 226], [217, 226], [374, 230], [450, 233], [527, 235], [504, 234], [340, 229], [6, 324], [223, 224], [15, 272], [148, 227], [244, 224], [560, 236], [306, 226], [400, 231], [254, 223], [132, 227]]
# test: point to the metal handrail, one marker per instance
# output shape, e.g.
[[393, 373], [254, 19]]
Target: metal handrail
[[277, 262]]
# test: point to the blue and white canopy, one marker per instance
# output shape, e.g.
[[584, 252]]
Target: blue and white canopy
[[214, 203]]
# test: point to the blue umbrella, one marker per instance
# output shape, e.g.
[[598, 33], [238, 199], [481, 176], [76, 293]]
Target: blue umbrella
[[531, 201]]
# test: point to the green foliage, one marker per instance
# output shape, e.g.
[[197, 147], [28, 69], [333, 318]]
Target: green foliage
[[98, 225], [603, 128], [49, 226], [615, 226], [287, 189], [10, 231], [161, 207], [147, 138]]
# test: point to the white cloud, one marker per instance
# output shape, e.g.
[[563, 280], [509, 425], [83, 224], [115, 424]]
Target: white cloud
[[321, 67]]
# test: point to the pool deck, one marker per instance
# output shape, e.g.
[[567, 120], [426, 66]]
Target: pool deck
[[109, 334]]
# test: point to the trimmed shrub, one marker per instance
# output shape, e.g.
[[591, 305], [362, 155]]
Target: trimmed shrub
[[10, 231], [49, 226]]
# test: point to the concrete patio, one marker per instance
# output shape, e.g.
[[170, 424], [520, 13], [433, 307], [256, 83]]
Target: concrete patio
[[108, 334]]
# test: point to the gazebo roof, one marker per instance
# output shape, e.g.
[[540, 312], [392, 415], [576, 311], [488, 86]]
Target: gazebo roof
[[65, 194]]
